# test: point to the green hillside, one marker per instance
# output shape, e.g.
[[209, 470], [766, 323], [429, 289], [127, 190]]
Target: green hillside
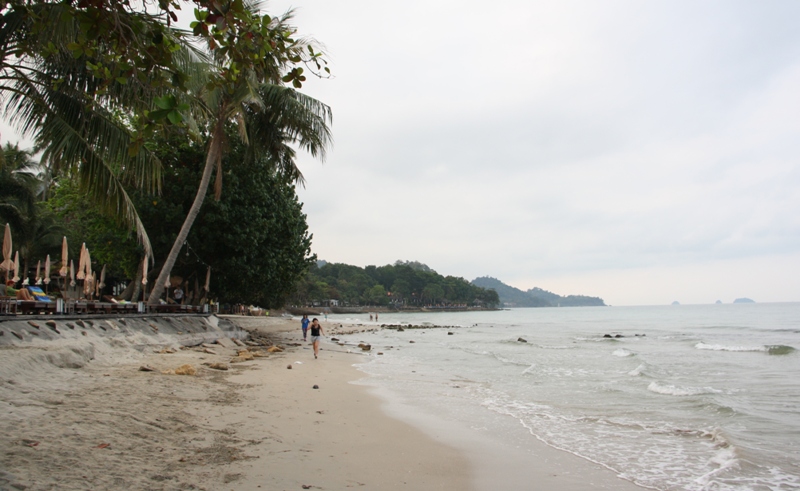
[[535, 297]]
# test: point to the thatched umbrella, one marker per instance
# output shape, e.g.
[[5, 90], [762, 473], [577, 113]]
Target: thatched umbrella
[[16, 268], [64, 256]]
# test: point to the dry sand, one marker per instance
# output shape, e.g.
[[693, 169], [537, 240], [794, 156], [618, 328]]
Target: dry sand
[[68, 423]]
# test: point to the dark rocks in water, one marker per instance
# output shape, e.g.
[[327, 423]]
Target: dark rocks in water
[[450, 333], [412, 341], [619, 336], [607, 336], [522, 340], [315, 386], [400, 329]]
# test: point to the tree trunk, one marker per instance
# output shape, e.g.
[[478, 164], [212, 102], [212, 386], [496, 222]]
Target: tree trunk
[[212, 160]]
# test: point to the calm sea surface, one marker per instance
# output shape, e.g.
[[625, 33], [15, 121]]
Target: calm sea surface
[[700, 397]]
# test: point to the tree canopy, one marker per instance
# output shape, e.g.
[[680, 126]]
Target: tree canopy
[[404, 284]]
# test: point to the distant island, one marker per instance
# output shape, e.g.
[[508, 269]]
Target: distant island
[[535, 297], [744, 300]]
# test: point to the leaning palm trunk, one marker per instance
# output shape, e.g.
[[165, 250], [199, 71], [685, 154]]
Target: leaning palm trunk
[[213, 160]]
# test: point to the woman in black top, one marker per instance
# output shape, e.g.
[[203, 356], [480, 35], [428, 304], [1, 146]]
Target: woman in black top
[[316, 334]]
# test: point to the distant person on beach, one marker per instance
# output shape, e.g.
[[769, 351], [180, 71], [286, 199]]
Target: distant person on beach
[[316, 334], [376, 317], [304, 324], [370, 316]]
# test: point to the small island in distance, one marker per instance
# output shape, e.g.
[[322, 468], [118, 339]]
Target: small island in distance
[[535, 297], [744, 300]]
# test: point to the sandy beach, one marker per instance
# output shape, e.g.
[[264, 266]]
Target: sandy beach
[[77, 421]]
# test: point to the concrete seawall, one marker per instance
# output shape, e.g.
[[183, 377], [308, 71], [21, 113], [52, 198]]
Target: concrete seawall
[[148, 330]]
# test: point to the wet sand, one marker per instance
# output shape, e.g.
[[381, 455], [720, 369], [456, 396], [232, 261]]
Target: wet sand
[[81, 415]]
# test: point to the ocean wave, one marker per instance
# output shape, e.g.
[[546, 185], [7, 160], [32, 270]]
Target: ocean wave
[[671, 390], [779, 349], [719, 347], [775, 349], [638, 371], [622, 352]]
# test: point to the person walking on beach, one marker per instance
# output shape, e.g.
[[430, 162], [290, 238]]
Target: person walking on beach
[[304, 323], [316, 333]]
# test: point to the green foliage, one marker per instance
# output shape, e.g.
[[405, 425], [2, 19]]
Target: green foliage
[[404, 284], [35, 229], [255, 238], [109, 242]]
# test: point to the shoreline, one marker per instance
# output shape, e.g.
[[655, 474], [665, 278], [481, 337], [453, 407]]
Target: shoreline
[[259, 425]]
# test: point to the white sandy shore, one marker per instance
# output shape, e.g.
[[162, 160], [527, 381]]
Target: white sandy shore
[[259, 425]]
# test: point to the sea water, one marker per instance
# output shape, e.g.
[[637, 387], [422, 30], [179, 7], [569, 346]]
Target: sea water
[[677, 397]]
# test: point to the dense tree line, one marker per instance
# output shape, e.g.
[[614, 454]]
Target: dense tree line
[[255, 239], [96, 85], [403, 284]]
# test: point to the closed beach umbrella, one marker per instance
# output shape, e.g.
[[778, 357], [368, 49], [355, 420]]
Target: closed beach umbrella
[[38, 278], [47, 270], [207, 286], [102, 283], [82, 263], [16, 268], [64, 255], [7, 263], [88, 263], [144, 271], [72, 273], [88, 284]]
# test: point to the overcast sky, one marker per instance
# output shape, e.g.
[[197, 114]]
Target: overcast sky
[[643, 152]]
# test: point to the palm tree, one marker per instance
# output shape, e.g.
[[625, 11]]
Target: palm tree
[[270, 117], [71, 76]]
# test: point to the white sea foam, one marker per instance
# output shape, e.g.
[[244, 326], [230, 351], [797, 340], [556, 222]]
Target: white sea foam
[[622, 352], [672, 390], [719, 347], [638, 371]]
